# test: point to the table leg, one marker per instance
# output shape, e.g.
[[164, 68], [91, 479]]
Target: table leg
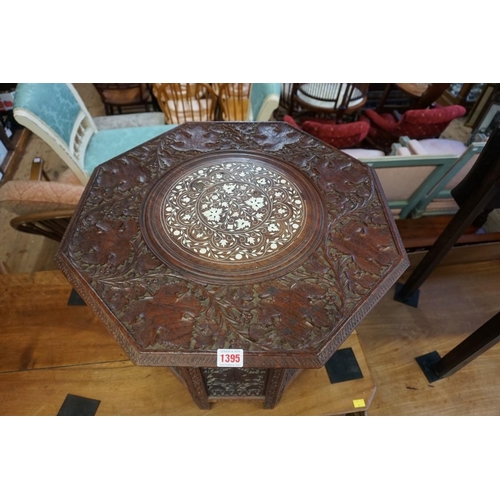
[[474, 345], [195, 383], [278, 380]]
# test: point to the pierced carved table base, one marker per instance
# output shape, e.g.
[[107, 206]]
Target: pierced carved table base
[[207, 385]]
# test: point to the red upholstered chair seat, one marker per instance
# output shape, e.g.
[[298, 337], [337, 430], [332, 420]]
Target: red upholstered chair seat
[[338, 135], [415, 123]]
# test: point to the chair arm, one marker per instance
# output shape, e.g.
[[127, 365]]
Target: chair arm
[[290, 120], [51, 224], [23, 197], [379, 121], [264, 99], [416, 148]]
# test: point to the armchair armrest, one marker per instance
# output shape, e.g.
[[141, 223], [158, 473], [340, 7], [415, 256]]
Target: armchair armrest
[[264, 99], [23, 197], [51, 224], [380, 121]]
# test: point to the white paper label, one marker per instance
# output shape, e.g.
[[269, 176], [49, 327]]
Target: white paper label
[[230, 357]]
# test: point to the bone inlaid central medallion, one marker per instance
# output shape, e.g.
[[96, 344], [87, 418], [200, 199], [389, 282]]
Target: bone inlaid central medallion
[[233, 211], [224, 210]]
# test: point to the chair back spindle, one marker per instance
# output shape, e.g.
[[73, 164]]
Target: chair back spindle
[[186, 102], [119, 98], [234, 100], [335, 99]]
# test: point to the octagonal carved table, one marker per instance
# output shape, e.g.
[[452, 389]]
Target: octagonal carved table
[[251, 236]]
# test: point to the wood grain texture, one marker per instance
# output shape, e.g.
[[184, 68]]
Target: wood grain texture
[[39, 329], [454, 301], [126, 389]]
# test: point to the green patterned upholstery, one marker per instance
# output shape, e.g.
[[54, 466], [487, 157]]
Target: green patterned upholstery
[[107, 144], [54, 112], [53, 103]]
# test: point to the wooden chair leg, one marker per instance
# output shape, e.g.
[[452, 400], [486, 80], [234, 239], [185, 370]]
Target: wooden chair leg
[[383, 98]]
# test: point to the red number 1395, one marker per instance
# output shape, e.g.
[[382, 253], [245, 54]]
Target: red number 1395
[[230, 358]]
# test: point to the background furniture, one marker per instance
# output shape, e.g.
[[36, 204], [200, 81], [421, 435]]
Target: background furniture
[[286, 102], [13, 141], [428, 97], [435, 194], [478, 192], [338, 135], [420, 95], [121, 98], [49, 224], [327, 99], [40, 206], [417, 181], [416, 177], [416, 124], [264, 100], [56, 113], [186, 102], [234, 101], [248, 102], [464, 94], [490, 92], [221, 254]]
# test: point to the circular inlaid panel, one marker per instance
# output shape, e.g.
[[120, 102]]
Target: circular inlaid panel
[[234, 217]]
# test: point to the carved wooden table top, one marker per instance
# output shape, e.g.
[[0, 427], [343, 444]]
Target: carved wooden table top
[[254, 236]]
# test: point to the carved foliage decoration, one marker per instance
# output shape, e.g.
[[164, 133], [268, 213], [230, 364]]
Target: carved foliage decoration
[[164, 310]]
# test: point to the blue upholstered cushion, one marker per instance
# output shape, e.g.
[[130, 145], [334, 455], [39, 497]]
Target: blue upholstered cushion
[[259, 93], [106, 144], [51, 102]]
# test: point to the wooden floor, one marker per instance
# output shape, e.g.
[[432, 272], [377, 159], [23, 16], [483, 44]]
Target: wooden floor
[[454, 301]]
